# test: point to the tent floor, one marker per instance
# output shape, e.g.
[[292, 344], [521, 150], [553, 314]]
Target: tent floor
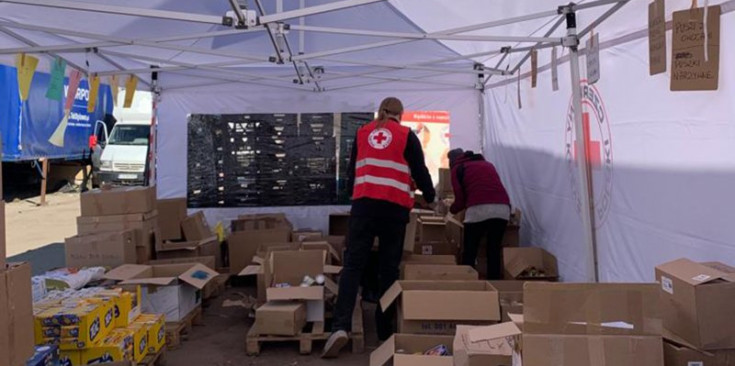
[[221, 340]]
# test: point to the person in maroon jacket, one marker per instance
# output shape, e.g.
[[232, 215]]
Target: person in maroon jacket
[[479, 191]]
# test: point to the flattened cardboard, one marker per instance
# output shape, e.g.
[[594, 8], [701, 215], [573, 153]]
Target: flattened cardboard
[[171, 213], [689, 70], [195, 227], [603, 308], [203, 248], [307, 235], [495, 348], [194, 274], [339, 224], [16, 314], [101, 250], [657, 37], [438, 272], [207, 261], [118, 201], [591, 350], [697, 301], [516, 261], [280, 318], [412, 348]]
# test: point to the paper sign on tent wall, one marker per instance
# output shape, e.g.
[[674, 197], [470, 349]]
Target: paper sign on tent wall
[[130, 86], [26, 66], [55, 89], [593, 59], [94, 87], [689, 69], [657, 37]]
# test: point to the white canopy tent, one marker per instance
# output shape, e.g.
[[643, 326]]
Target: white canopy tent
[[464, 56]]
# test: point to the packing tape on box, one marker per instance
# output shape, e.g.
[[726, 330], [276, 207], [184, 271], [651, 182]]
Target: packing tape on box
[[596, 350], [556, 356], [593, 312]]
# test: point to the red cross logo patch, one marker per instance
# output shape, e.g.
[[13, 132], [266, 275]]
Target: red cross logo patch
[[380, 138]]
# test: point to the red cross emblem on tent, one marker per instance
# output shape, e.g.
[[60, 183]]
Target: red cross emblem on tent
[[594, 149], [380, 138]]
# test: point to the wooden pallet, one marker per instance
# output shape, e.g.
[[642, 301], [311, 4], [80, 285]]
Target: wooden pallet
[[254, 340], [159, 359], [177, 332]]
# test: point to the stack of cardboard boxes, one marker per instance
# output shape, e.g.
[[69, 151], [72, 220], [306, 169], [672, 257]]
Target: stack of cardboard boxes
[[116, 226], [185, 237], [97, 326], [697, 303], [16, 310], [249, 232]]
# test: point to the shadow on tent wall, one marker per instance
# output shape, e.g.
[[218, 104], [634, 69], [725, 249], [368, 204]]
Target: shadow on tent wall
[[654, 215]]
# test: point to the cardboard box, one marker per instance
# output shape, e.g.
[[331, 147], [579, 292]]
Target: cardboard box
[[118, 201], [438, 272], [510, 294], [207, 261], [110, 249], [156, 331], [3, 243], [144, 224], [243, 245], [170, 289], [529, 264], [432, 230], [339, 224], [429, 259], [678, 352], [71, 358], [436, 307], [195, 227], [16, 314], [339, 245], [262, 252], [512, 237], [280, 318], [591, 350], [190, 249], [172, 213], [306, 235], [455, 231], [697, 301], [116, 347], [436, 248], [261, 222], [494, 345], [409, 239], [333, 256], [75, 326], [408, 350]]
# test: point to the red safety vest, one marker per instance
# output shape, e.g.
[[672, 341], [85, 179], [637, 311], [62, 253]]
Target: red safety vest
[[381, 170]]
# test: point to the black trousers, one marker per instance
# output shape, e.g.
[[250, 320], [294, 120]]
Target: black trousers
[[363, 231], [490, 233]]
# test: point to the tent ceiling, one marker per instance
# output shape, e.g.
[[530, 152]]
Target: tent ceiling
[[323, 44]]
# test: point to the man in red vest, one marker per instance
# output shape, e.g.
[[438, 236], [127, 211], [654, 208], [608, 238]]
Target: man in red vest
[[386, 160]]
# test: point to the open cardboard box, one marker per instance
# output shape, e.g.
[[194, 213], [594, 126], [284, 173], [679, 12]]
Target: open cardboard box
[[189, 249], [408, 349], [196, 228], [591, 324], [333, 256], [438, 272], [243, 245], [697, 300], [678, 352], [494, 345], [290, 267], [431, 307], [519, 261], [261, 222], [170, 289], [510, 294]]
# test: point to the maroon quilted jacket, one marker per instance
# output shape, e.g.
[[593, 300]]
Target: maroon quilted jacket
[[476, 182]]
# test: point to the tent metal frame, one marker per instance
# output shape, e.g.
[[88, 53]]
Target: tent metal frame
[[103, 47]]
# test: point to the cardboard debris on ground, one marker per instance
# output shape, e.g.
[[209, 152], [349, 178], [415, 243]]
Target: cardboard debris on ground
[[697, 302], [529, 264], [172, 213], [436, 307], [118, 201], [110, 249], [409, 349]]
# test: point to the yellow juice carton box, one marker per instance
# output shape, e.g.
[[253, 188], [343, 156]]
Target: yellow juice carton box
[[79, 327], [140, 340], [70, 358], [156, 331], [116, 347]]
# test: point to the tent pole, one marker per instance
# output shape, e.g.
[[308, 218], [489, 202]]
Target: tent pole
[[585, 178]]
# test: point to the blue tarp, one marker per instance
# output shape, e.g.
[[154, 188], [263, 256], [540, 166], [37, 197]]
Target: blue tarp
[[27, 126]]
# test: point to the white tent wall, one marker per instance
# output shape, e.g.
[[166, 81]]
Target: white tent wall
[[669, 183], [175, 105]]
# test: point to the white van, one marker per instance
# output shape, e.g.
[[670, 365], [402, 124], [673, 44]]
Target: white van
[[125, 154]]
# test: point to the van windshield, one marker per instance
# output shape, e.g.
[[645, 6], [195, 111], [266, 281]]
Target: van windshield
[[130, 135]]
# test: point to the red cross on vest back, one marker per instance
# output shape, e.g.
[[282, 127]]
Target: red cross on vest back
[[594, 152], [379, 138]]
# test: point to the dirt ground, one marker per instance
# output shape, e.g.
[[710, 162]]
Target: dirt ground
[[221, 341], [30, 226]]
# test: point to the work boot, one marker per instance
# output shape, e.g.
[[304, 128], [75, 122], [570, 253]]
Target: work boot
[[334, 344]]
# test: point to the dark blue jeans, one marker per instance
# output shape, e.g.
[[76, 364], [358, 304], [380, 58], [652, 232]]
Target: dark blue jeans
[[363, 231]]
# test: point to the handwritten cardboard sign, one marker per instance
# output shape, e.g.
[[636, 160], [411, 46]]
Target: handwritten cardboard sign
[[689, 70], [657, 37], [593, 59]]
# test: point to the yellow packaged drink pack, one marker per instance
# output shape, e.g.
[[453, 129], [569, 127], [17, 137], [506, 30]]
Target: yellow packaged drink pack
[[70, 358], [116, 347], [94, 321], [140, 340], [156, 331]]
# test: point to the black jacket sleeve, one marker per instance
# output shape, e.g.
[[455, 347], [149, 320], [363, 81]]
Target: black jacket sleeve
[[351, 169], [414, 155]]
